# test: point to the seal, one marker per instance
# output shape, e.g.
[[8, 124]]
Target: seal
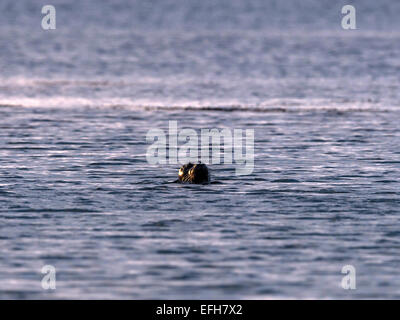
[[194, 173]]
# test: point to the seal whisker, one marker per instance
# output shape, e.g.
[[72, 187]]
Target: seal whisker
[[194, 173]]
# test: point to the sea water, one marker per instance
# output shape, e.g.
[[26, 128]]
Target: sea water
[[76, 190]]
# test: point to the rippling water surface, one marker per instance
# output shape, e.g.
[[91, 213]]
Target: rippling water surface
[[76, 191]]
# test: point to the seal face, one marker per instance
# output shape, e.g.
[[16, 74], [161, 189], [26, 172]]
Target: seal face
[[194, 173]]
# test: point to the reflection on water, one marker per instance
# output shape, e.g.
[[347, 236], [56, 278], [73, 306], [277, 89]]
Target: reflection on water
[[76, 192]]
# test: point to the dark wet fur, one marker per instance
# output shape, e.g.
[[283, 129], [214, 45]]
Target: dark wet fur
[[194, 173]]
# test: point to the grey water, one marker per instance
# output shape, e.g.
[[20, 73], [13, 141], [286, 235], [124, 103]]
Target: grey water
[[77, 192]]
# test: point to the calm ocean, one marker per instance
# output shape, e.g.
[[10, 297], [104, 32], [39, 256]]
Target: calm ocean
[[76, 190]]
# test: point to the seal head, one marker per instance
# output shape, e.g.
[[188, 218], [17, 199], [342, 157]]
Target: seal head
[[194, 173]]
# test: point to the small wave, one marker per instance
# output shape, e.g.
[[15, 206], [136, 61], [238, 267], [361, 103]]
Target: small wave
[[273, 105], [17, 82]]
